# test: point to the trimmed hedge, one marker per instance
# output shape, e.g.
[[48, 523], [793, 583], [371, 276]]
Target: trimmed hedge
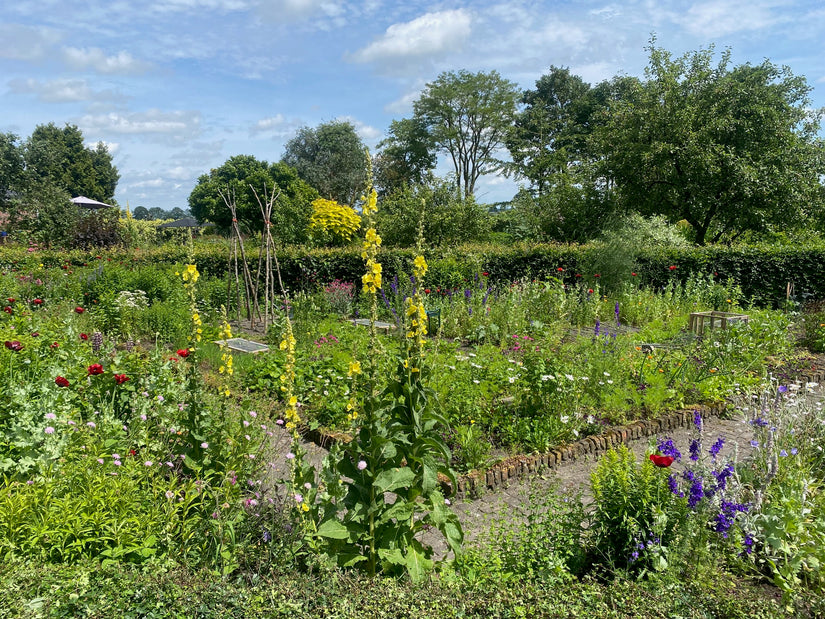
[[762, 272]]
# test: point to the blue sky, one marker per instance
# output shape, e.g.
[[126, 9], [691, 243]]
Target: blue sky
[[175, 87]]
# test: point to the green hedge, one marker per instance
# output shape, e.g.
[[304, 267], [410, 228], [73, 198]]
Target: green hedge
[[762, 272], [123, 591]]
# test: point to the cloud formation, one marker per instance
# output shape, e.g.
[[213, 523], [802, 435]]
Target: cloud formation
[[94, 58], [430, 35]]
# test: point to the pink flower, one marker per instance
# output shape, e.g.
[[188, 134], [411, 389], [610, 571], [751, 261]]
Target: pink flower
[[147, 463], [79, 310], [49, 430], [362, 465]]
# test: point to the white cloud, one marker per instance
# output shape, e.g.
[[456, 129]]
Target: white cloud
[[94, 57], [26, 43], [281, 11], [715, 18], [175, 126], [62, 90], [432, 34], [366, 132], [278, 126], [153, 182]]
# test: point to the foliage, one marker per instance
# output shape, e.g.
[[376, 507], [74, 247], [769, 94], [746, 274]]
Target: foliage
[[448, 219], [468, 116], [331, 158], [59, 157], [726, 149], [332, 219], [406, 156], [240, 178], [632, 505]]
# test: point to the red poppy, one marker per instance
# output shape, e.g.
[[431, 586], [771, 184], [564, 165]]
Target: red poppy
[[183, 352], [589, 291], [14, 345], [661, 461], [633, 274], [132, 452], [38, 302], [8, 310], [95, 369], [485, 273], [79, 310], [84, 337], [672, 267], [54, 345], [427, 290], [560, 270], [121, 378], [60, 381]]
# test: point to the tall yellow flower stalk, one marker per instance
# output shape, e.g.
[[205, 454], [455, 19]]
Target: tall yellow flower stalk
[[371, 280], [190, 277], [291, 416]]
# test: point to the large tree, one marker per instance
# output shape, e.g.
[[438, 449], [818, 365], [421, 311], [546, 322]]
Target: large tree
[[405, 157], [60, 157], [239, 179], [331, 158], [550, 134], [726, 149], [468, 116]]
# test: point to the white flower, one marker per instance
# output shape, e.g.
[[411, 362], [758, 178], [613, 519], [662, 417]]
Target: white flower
[[564, 418], [607, 374], [512, 379], [569, 377], [546, 377]]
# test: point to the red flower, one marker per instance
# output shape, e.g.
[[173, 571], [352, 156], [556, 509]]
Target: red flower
[[38, 302], [661, 461], [132, 452], [35, 334], [84, 337], [633, 274], [79, 310], [95, 369], [427, 290], [121, 378], [597, 275], [60, 381], [54, 345], [672, 267], [560, 270], [14, 345], [485, 273], [589, 291], [11, 299], [8, 310], [175, 359], [183, 352], [578, 274]]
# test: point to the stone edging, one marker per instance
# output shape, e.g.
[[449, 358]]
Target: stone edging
[[493, 478]]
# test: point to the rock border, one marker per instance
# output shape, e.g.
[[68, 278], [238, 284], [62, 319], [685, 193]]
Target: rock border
[[493, 478]]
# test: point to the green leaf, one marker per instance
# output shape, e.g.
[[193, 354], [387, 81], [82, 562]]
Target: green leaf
[[390, 480], [333, 529]]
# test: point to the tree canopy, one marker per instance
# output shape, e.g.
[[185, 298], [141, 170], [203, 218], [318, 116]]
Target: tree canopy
[[58, 156], [405, 157], [726, 149], [331, 158], [468, 116], [240, 178]]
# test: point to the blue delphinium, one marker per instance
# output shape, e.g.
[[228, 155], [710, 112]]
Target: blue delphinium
[[667, 448], [717, 447], [695, 448]]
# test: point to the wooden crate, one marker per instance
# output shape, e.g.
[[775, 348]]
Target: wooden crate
[[699, 321]]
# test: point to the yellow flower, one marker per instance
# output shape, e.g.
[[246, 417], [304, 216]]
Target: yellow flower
[[354, 368]]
